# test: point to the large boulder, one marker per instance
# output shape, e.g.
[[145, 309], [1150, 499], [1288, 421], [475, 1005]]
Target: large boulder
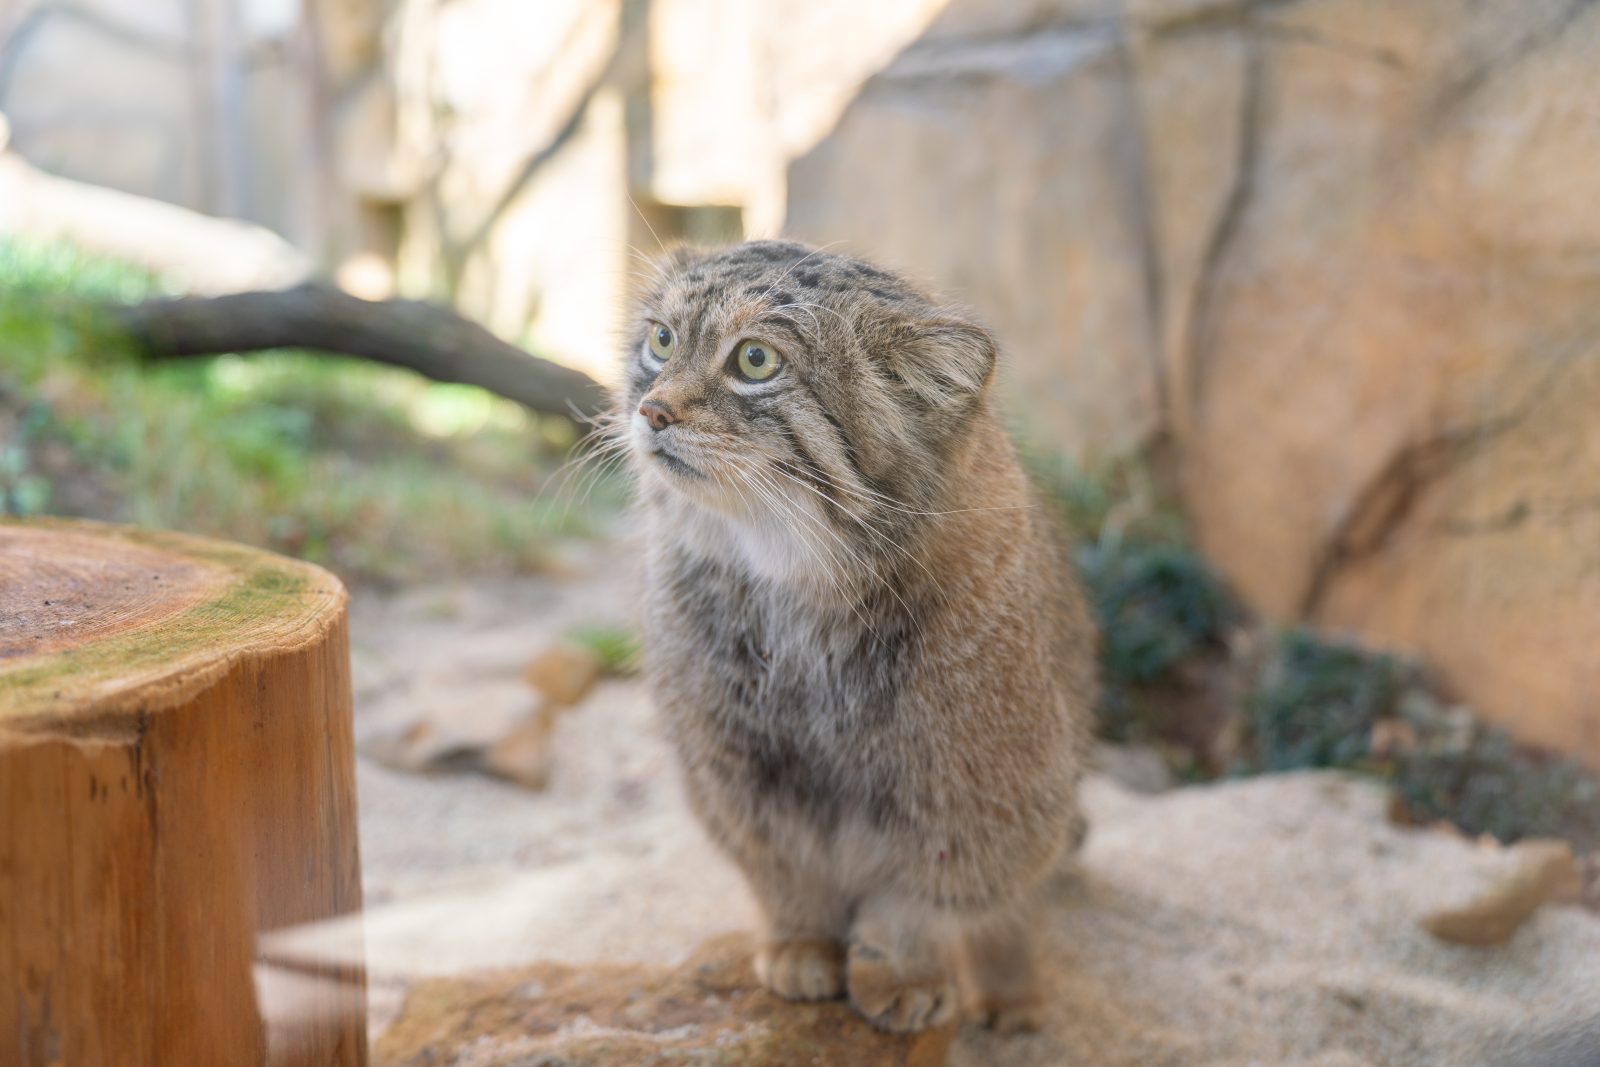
[[997, 165], [1340, 254]]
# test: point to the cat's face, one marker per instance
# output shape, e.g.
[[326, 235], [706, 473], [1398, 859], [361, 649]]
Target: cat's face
[[776, 384]]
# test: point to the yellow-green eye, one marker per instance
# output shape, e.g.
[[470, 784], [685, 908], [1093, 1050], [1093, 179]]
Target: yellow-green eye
[[756, 361], [661, 340]]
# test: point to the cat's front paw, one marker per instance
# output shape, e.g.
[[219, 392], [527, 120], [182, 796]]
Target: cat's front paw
[[809, 969], [895, 997], [1013, 1015]]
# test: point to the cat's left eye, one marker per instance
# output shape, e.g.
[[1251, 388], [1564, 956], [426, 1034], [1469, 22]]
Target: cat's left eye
[[756, 361]]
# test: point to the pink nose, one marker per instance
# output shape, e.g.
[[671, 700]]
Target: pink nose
[[657, 415]]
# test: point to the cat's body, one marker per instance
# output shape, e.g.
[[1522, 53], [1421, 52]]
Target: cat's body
[[860, 629]]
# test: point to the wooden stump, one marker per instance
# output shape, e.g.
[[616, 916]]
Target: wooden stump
[[176, 779]]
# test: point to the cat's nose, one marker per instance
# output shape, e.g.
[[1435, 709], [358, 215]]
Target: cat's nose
[[656, 414]]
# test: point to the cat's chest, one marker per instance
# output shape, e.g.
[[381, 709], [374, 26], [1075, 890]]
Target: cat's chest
[[749, 651], [773, 662], [729, 642]]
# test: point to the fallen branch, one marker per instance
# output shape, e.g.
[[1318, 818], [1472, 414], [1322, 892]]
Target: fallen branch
[[427, 338]]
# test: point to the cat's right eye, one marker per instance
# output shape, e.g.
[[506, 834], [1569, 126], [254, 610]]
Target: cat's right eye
[[661, 341]]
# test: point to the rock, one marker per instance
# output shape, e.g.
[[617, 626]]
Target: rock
[[1387, 351], [1011, 126], [523, 755], [705, 1013], [423, 748], [1391, 738], [1543, 870], [452, 716], [1589, 891], [464, 724], [520, 754], [1139, 768], [1326, 252], [195, 251], [563, 674]]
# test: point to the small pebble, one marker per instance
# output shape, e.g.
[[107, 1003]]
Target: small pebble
[[1543, 870], [563, 674]]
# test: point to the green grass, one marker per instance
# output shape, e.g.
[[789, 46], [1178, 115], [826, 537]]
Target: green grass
[[617, 648], [374, 472]]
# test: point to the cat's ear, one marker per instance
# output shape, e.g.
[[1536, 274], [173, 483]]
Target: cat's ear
[[948, 362], [678, 258]]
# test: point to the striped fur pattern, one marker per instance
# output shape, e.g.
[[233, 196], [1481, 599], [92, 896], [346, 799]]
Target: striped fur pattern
[[860, 628]]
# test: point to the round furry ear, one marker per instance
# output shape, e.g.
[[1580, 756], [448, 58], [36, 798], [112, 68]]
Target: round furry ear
[[677, 258], [949, 362]]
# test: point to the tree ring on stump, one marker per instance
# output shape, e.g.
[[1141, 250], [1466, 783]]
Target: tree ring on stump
[[177, 780], [97, 620]]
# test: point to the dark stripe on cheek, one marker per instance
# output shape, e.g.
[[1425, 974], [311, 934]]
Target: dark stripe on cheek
[[850, 454], [809, 469], [744, 405]]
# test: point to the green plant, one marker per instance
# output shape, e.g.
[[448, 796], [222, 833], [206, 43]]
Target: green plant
[[1317, 703], [1488, 785], [617, 648], [370, 470], [1128, 498], [1157, 605]]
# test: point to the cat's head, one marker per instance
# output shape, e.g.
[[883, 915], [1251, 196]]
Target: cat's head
[[773, 382]]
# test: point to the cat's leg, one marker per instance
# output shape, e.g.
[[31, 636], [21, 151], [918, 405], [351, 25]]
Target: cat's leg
[[805, 916], [802, 953], [903, 964], [1001, 966]]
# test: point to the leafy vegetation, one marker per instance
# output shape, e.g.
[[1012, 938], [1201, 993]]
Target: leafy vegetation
[[1159, 607], [1491, 786], [1321, 704], [1173, 675], [1317, 704], [372, 471]]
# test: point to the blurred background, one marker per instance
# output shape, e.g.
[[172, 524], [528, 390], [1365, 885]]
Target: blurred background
[[1297, 302]]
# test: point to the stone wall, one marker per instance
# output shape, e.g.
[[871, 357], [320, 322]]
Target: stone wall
[[1339, 255], [202, 103]]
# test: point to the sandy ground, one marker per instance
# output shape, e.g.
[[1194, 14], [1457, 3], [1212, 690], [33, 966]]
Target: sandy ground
[[1270, 921]]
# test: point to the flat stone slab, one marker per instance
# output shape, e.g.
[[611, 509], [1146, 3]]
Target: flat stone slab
[[709, 1012]]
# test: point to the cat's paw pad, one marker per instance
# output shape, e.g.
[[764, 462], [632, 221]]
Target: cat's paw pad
[[811, 969], [895, 1000]]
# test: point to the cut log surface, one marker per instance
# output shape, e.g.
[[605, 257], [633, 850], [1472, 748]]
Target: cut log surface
[[176, 779]]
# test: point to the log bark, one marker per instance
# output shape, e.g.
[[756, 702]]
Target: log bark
[[427, 338], [176, 780]]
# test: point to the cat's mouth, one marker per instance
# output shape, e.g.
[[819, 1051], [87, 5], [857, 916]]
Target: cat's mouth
[[674, 464]]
